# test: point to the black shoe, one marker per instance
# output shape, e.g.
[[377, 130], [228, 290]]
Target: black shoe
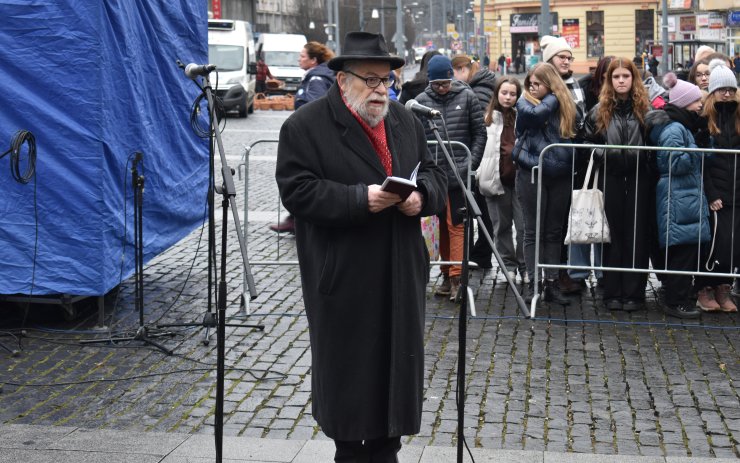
[[613, 304], [681, 311], [631, 306], [528, 293], [553, 294]]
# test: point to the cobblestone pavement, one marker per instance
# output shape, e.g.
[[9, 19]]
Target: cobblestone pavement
[[577, 379]]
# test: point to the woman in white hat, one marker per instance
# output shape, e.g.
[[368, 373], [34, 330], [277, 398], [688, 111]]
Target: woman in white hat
[[722, 177]]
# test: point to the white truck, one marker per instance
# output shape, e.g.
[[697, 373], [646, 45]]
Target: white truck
[[231, 49], [281, 53]]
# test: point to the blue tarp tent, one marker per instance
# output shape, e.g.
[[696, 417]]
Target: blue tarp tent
[[95, 82]]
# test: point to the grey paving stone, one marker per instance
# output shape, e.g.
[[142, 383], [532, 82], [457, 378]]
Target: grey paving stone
[[241, 448], [104, 440], [550, 457], [60, 456]]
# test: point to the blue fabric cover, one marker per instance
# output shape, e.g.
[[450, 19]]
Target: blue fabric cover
[[95, 82]]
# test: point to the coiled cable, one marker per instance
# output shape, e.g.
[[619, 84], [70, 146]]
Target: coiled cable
[[16, 146]]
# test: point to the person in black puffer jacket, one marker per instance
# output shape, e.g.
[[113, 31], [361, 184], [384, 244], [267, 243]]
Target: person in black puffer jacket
[[463, 117], [483, 82], [619, 119], [722, 176]]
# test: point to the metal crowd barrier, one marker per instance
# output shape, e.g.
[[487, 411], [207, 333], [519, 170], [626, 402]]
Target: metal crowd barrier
[[540, 265], [245, 165]]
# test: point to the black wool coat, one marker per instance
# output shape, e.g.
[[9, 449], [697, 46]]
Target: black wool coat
[[363, 274]]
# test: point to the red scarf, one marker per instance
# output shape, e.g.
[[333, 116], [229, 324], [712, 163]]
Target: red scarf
[[377, 139]]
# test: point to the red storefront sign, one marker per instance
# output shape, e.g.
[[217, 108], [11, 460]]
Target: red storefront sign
[[571, 32], [216, 9]]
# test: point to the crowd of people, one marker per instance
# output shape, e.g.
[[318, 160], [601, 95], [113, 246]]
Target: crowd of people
[[660, 205], [365, 268]]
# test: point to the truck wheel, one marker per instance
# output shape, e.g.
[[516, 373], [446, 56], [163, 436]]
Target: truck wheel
[[243, 108]]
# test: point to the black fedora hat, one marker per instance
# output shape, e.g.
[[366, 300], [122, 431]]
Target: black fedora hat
[[364, 46]]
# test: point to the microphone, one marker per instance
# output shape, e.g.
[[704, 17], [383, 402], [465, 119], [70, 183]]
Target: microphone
[[414, 106], [193, 70]]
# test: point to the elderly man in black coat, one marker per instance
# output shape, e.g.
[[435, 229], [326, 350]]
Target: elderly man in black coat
[[364, 264]]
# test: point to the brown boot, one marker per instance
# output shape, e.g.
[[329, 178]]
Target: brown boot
[[444, 288], [705, 300], [722, 295], [568, 285], [454, 288]]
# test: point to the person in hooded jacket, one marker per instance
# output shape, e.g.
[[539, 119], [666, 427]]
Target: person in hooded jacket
[[546, 114], [318, 78], [619, 119], [722, 181], [682, 209], [483, 83], [463, 117]]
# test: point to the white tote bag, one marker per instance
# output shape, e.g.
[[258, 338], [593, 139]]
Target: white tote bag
[[587, 221]]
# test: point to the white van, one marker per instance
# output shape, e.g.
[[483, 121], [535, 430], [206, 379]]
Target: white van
[[231, 49], [281, 53]]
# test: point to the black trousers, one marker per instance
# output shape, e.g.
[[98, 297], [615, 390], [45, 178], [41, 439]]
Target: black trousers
[[383, 450], [481, 252], [678, 287], [626, 200], [726, 253]]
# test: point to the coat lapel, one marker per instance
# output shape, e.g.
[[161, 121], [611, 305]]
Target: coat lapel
[[353, 137]]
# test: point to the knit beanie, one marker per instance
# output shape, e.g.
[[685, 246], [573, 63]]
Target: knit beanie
[[440, 68], [720, 75], [680, 92], [702, 51], [551, 46]]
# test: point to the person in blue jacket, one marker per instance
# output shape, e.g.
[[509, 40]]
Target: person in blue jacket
[[318, 78], [683, 212], [546, 114]]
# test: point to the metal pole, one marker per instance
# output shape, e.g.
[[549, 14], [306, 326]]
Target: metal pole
[[482, 30], [431, 20], [336, 27], [545, 24], [664, 37], [400, 43], [362, 16], [382, 18]]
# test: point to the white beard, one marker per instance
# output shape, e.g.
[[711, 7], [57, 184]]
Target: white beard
[[361, 107]]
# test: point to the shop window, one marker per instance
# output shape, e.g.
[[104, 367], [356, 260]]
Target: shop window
[[595, 34], [644, 27]]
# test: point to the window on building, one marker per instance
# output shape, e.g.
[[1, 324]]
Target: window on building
[[644, 27], [595, 34]]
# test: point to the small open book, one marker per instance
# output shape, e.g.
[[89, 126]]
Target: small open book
[[401, 186]]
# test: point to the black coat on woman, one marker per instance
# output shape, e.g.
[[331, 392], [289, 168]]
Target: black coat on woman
[[363, 274]]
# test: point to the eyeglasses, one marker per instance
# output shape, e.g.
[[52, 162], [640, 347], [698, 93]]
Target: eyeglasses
[[700, 75], [536, 85], [727, 91], [441, 84], [565, 58], [372, 81]]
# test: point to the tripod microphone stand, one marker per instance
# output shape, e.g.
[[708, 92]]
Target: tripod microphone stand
[[471, 211], [142, 332], [210, 319]]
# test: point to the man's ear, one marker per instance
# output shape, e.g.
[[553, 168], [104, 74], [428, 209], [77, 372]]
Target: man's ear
[[341, 78]]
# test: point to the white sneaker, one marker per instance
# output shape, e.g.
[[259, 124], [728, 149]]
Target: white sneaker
[[512, 275], [525, 278]]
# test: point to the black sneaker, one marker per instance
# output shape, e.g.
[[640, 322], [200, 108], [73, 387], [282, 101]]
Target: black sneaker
[[613, 304], [631, 306], [681, 311]]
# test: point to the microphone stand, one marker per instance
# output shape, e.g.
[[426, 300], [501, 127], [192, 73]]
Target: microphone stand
[[227, 190], [471, 211]]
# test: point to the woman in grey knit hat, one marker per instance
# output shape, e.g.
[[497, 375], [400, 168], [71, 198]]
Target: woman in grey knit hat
[[722, 176]]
